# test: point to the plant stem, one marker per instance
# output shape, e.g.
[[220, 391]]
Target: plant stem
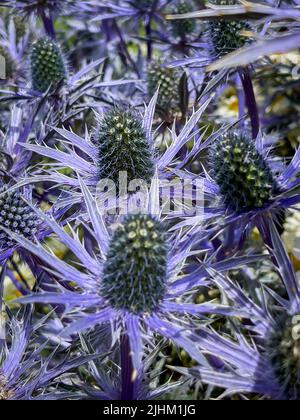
[[125, 51], [48, 25], [149, 35], [250, 100], [127, 382]]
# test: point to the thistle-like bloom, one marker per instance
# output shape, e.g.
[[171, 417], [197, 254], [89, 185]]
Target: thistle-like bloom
[[16, 215], [244, 181], [123, 146], [47, 64], [225, 36], [264, 356], [16, 201], [184, 28], [167, 80], [134, 280], [222, 36]]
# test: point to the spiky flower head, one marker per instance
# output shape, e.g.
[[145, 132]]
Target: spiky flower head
[[134, 275], [183, 28], [226, 36], [123, 146], [10, 66], [168, 82], [242, 174], [283, 348], [15, 215], [48, 68]]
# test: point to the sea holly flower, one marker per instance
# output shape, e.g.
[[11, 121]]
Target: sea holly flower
[[139, 160], [246, 188], [222, 36], [123, 146], [245, 180], [267, 364], [48, 68], [16, 215], [227, 36], [167, 80], [185, 28], [133, 282]]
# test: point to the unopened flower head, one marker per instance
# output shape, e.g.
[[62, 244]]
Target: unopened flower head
[[48, 67], [123, 147], [226, 35], [15, 215], [168, 81], [245, 180], [134, 276], [183, 28]]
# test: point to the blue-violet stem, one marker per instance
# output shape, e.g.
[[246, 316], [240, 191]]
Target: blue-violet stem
[[48, 25], [128, 383], [250, 100]]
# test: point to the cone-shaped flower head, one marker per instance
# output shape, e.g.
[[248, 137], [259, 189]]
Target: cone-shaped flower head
[[47, 65], [123, 146], [134, 275], [242, 174], [226, 35], [168, 82], [284, 351], [15, 215], [183, 28]]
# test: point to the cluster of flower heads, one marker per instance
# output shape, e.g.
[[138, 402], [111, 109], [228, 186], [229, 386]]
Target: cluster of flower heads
[[143, 221]]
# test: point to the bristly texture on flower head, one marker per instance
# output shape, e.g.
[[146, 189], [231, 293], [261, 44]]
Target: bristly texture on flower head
[[245, 180], [283, 349], [48, 68], [168, 82], [16, 215], [185, 27], [123, 146], [226, 36], [134, 275]]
